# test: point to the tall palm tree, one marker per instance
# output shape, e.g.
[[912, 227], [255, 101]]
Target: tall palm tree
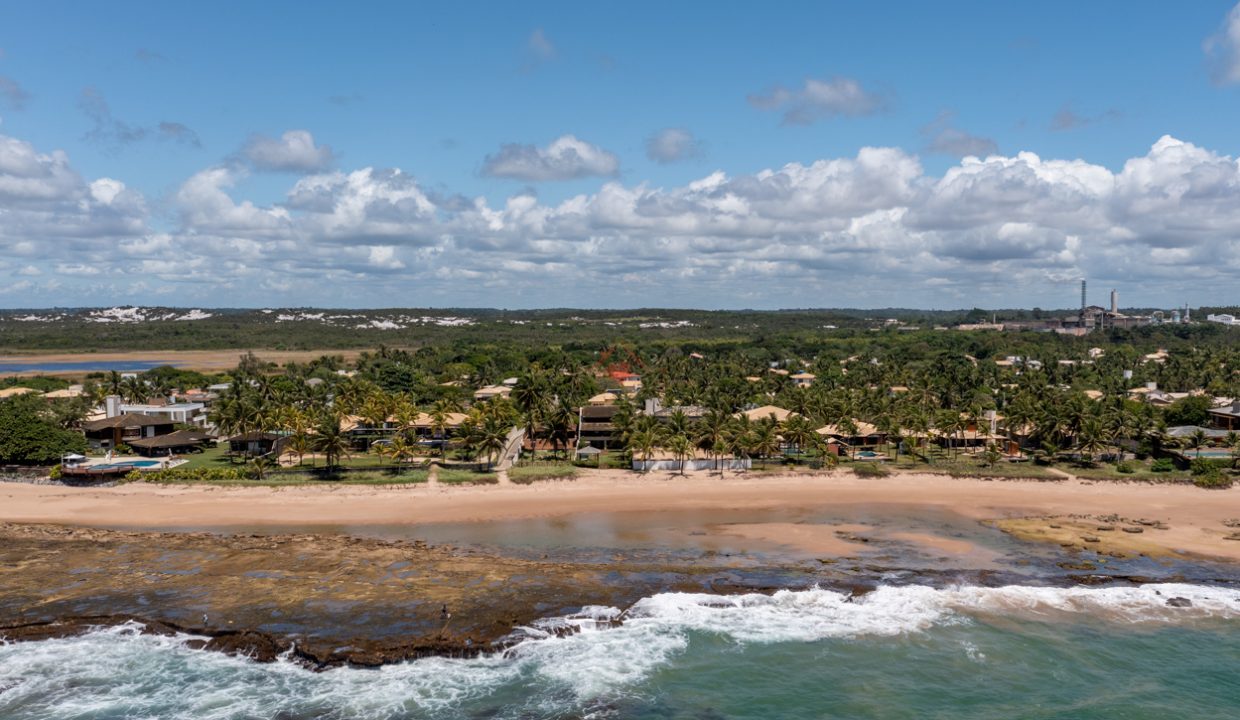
[[134, 390], [491, 437], [331, 440], [766, 440], [300, 443], [642, 444], [114, 383], [439, 428], [561, 426], [1091, 436], [1197, 440], [680, 448], [711, 431], [797, 431]]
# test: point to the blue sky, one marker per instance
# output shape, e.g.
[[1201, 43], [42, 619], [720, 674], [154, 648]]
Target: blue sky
[[566, 154]]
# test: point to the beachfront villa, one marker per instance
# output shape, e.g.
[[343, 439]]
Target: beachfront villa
[[112, 432], [1226, 418]]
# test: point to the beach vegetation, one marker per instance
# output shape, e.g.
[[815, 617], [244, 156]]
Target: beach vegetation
[[31, 435]]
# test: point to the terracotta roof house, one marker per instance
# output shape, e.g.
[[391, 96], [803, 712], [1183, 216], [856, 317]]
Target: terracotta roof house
[[766, 411]]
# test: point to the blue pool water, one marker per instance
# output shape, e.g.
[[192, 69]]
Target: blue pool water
[[135, 463]]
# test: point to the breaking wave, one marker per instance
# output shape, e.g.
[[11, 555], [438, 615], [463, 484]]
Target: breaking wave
[[577, 664]]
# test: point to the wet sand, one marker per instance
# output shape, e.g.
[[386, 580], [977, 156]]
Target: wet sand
[[1195, 519]]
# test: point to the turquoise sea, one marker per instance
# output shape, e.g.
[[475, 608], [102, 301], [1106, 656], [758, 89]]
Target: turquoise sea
[[898, 652]]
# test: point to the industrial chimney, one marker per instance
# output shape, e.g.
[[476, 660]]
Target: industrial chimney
[[1082, 296], [1114, 302]]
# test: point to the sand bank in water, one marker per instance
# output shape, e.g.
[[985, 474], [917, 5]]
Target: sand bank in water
[[1195, 518]]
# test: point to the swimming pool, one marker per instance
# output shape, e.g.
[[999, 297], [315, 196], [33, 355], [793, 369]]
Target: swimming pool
[[1208, 453], [133, 464]]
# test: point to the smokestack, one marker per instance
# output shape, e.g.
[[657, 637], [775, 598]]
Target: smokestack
[[1114, 302], [1082, 294]]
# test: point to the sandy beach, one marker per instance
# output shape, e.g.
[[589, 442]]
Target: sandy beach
[[1190, 521]]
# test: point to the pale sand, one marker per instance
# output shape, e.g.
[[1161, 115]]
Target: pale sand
[[831, 540], [202, 360], [1195, 516]]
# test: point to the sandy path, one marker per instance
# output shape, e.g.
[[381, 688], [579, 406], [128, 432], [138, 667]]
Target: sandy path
[[1195, 516]]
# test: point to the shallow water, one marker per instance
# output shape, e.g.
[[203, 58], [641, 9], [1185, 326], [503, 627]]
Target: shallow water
[[81, 366], [899, 652]]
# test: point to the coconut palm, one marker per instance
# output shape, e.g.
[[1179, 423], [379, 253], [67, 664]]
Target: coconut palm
[[490, 437], [680, 448], [797, 431], [642, 444], [331, 440], [300, 443], [1197, 440], [1091, 436], [260, 466], [766, 440]]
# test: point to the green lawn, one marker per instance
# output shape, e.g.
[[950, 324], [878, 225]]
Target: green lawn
[[211, 457], [1107, 471]]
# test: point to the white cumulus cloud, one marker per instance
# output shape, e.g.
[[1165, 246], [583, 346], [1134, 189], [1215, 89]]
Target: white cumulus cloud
[[294, 151], [671, 145], [1223, 50], [566, 158]]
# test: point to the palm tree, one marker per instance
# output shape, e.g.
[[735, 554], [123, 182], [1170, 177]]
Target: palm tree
[[766, 441], [114, 383], [134, 390], [711, 431], [681, 448], [530, 397], [439, 428], [331, 440], [797, 431], [490, 437], [260, 465], [1197, 440], [399, 450], [641, 445], [1091, 436], [299, 443], [560, 425]]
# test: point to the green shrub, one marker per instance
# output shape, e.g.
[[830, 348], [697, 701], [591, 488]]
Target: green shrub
[[1213, 479], [56, 472], [1124, 468], [1204, 466], [1162, 465], [189, 475], [869, 469]]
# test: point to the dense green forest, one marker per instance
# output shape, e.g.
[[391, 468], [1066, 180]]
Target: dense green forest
[[138, 329]]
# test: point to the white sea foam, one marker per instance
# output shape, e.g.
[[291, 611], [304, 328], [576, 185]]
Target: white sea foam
[[118, 672]]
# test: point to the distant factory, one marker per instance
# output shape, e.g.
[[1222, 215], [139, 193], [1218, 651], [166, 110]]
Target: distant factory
[[1090, 318]]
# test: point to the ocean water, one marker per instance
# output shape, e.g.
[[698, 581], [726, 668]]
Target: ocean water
[[898, 652]]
